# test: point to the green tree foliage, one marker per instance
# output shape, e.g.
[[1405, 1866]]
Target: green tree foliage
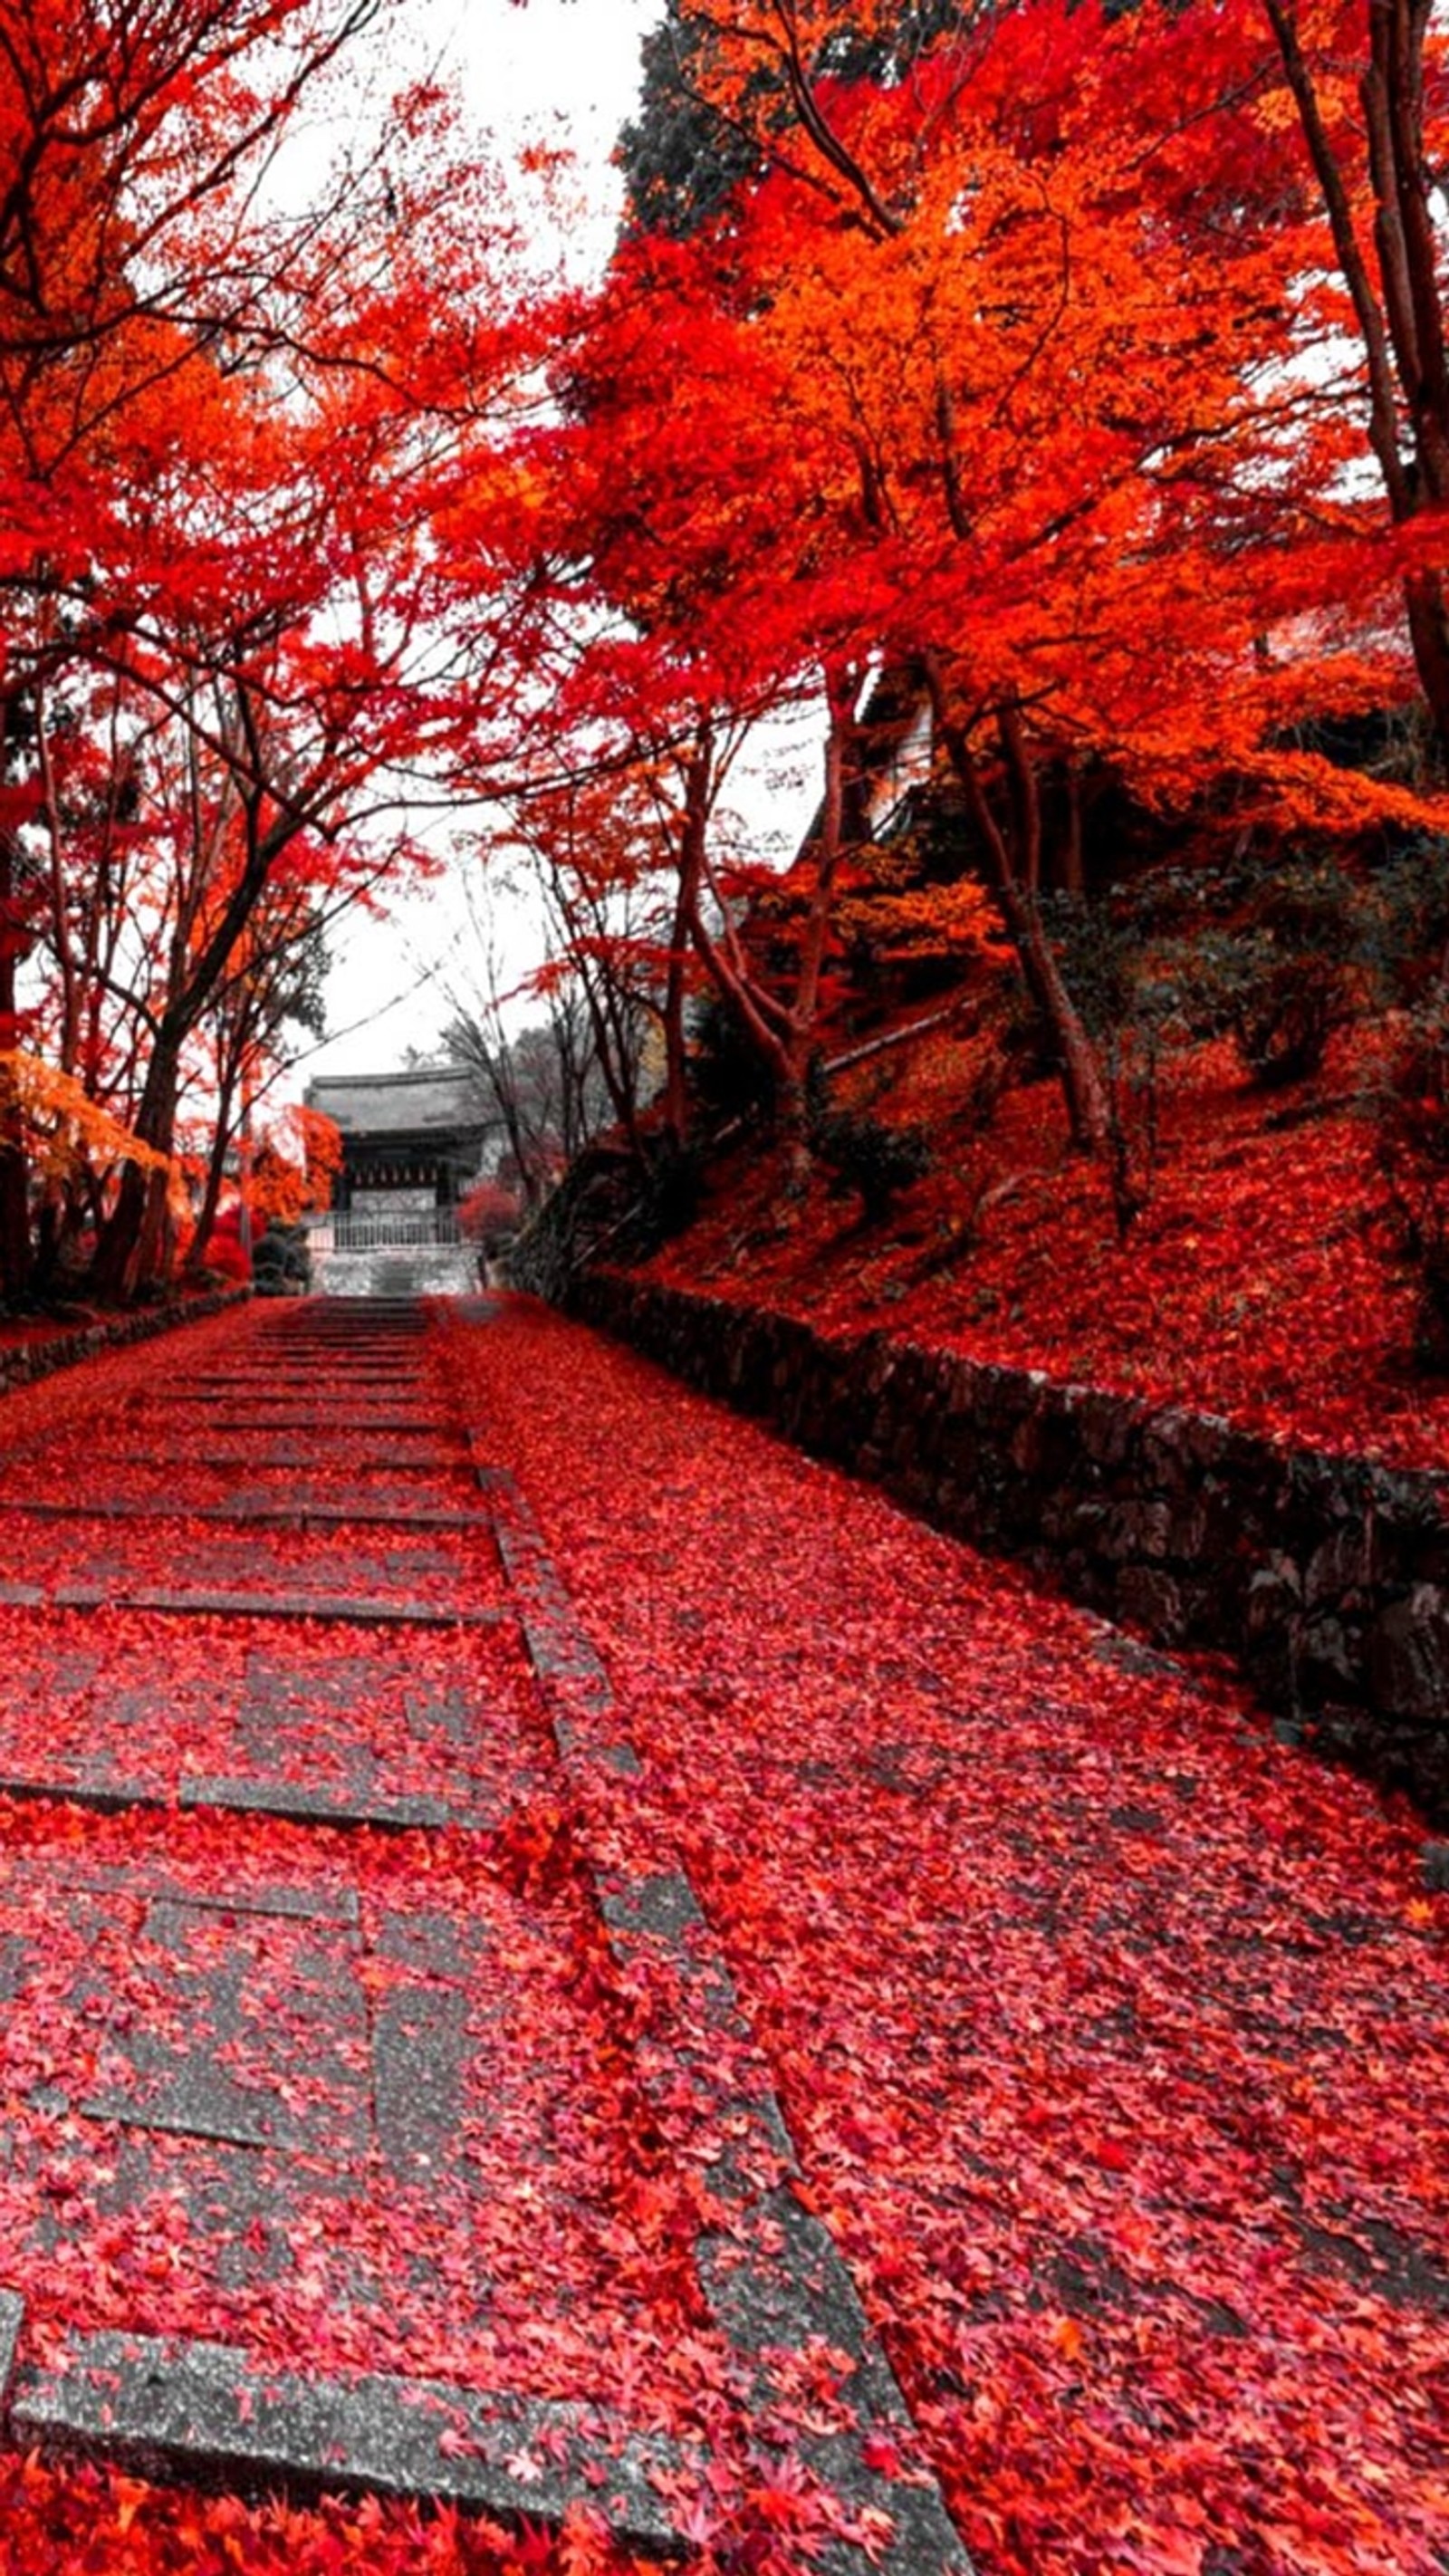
[[682, 155]]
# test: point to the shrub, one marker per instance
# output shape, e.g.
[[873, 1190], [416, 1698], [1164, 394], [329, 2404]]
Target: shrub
[[1274, 955], [673, 1188], [226, 1258], [489, 1214], [1406, 926], [1130, 1010], [1286, 1014], [281, 1261], [987, 1078], [1301, 970], [728, 1076], [864, 1154], [875, 1160]]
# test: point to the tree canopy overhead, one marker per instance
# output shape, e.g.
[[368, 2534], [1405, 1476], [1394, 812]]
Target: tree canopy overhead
[[1079, 370], [226, 633], [1024, 349]]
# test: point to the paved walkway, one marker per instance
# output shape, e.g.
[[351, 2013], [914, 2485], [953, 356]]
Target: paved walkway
[[376, 2114], [556, 1955], [1109, 2027]]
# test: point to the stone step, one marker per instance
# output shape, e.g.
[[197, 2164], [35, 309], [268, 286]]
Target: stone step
[[439, 1270]]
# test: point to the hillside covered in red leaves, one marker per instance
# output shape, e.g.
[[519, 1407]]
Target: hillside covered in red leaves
[[1262, 1280]]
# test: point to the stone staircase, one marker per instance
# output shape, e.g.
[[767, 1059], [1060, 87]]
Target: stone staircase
[[397, 1270]]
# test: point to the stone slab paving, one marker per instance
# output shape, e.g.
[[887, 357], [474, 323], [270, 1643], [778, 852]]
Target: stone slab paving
[[300, 2049], [269, 2087], [215, 1413], [450, 1571], [286, 1501], [172, 2407], [239, 1796], [12, 2317], [326, 1902], [211, 2061], [346, 1724]]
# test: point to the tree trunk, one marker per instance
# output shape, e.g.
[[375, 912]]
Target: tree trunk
[[1013, 877], [14, 1170], [1074, 865], [1428, 613], [131, 1243], [1083, 1088], [14, 1209], [842, 689], [792, 1108], [686, 903], [215, 1175], [1399, 315], [153, 1243]]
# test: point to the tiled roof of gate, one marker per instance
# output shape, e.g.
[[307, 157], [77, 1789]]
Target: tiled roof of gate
[[398, 1104]]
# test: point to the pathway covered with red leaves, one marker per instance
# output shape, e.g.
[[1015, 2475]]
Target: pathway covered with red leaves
[[557, 1957]]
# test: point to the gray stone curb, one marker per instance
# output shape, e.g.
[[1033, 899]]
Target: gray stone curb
[[242, 1795], [182, 2408], [12, 2318], [299, 1805], [771, 2275], [289, 1462], [102, 1797]]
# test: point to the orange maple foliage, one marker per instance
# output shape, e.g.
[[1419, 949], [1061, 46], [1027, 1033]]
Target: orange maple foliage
[[1009, 374]]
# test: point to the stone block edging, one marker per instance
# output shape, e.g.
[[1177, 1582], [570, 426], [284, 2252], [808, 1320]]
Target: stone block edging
[[1325, 1578], [772, 2279], [25, 1363]]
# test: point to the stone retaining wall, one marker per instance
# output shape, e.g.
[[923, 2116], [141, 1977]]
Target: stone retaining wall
[[1326, 1578], [23, 1363]]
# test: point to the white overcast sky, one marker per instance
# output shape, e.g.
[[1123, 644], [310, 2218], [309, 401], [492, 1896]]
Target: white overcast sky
[[567, 65], [567, 70]]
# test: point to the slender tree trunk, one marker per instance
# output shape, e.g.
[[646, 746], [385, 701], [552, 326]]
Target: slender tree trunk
[[129, 1252], [62, 1221], [842, 689], [132, 1245], [215, 1175], [117, 1241], [1399, 313], [1083, 1088], [14, 1205], [1074, 866], [610, 1050], [1013, 882], [14, 1170], [686, 904], [783, 1033], [1427, 605]]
